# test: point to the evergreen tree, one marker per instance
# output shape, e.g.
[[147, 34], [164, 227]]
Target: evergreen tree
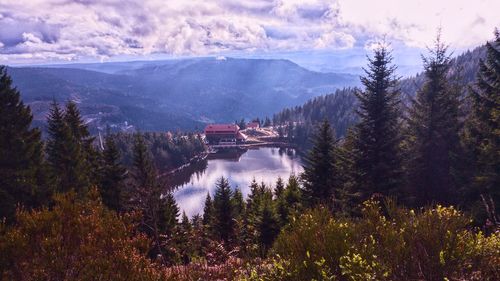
[[433, 138], [224, 224], [238, 203], [319, 167], [145, 196], [208, 223], [66, 162], [348, 195], [112, 175], [267, 122], [268, 226], [254, 200], [21, 161], [483, 133], [378, 165], [185, 237], [169, 211], [279, 188], [242, 124], [208, 211], [84, 140]]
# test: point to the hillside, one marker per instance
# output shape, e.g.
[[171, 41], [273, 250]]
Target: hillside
[[174, 94], [339, 107]]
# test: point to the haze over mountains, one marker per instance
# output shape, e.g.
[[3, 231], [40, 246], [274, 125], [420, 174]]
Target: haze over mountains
[[174, 94]]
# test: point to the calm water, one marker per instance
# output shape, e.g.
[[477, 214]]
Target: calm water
[[264, 164]]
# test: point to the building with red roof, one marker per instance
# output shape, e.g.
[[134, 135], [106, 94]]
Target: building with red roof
[[215, 133]]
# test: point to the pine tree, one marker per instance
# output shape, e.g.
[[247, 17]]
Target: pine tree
[[268, 226], [112, 175], [378, 138], [483, 133], [208, 223], [267, 122], [433, 132], [319, 167], [145, 197], [66, 162], [224, 224], [208, 212], [279, 188], [348, 195], [84, 140], [238, 203], [21, 161], [169, 211], [185, 237]]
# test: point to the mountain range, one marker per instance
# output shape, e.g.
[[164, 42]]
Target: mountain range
[[181, 94]]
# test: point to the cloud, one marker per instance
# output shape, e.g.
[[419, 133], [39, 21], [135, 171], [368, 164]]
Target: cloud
[[44, 30]]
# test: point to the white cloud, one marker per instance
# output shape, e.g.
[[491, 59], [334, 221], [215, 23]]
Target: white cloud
[[71, 30]]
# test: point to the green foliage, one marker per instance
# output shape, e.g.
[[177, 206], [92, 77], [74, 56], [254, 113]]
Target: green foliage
[[378, 160], [72, 159], [224, 224], [300, 121], [168, 151], [320, 173], [112, 175], [433, 133], [388, 243], [169, 211], [21, 155], [482, 135]]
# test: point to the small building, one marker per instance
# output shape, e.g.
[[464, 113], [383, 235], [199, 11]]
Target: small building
[[226, 133], [253, 125]]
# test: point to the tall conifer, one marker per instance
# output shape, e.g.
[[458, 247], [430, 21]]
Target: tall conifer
[[483, 133], [112, 175], [319, 177], [434, 127], [21, 161], [64, 154], [224, 224], [378, 163]]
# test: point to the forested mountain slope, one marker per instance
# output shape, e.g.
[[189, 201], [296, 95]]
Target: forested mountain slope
[[339, 107], [174, 94]]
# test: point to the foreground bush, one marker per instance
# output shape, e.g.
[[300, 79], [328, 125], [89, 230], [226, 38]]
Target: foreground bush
[[389, 244], [75, 240]]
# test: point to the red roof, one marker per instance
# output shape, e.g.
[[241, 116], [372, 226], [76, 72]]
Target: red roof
[[221, 128]]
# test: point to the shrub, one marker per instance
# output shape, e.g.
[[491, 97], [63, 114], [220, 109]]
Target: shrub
[[388, 243], [75, 240]]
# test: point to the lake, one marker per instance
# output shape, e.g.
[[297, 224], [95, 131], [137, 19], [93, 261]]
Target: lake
[[264, 164]]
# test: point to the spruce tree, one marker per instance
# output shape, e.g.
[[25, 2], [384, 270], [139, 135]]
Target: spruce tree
[[112, 175], [184, 239], [483, 133], [64, 154], [21, 161], [224, 224], [208, 212], [378, 139], [348, 196], [84, 140], [169, 211], [268, 226], [279, 188], [238, 203], [433, 132], [145, 196], [319, 177]]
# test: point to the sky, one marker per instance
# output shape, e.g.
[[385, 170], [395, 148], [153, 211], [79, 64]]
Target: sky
[[308, 31]]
